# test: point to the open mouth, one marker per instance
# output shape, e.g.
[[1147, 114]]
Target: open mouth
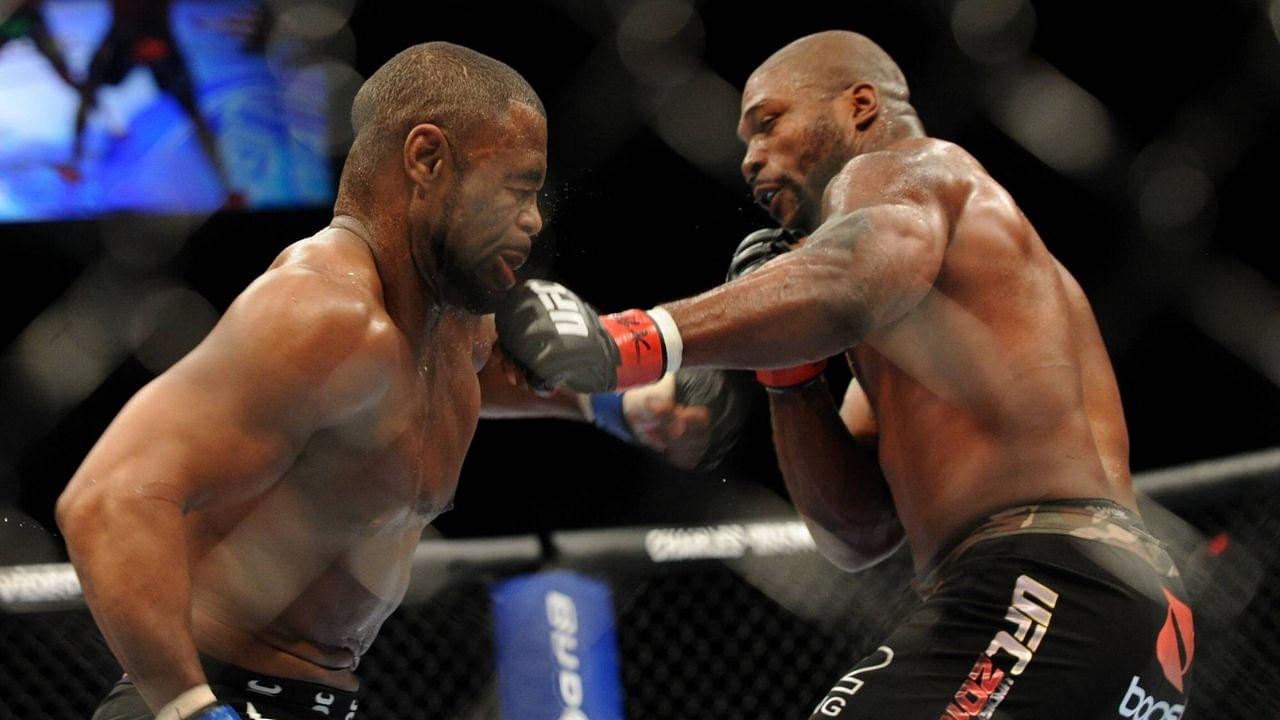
[[514, 259], [766, 194]]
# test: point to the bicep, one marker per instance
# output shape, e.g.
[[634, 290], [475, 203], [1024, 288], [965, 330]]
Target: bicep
[[194, 437], [887, 234], [229, 418]]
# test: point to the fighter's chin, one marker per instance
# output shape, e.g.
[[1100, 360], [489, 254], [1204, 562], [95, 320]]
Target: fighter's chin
[[478, 295], [793, 218]]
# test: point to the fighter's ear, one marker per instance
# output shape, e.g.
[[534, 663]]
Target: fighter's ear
[[426, 152], [863, 104]]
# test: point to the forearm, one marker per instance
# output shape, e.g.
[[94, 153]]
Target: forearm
[[130, 554], [501, 398], [833, 478], [796, 309]]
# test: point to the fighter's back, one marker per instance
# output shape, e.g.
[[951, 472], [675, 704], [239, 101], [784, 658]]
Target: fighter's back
[[995, 389]]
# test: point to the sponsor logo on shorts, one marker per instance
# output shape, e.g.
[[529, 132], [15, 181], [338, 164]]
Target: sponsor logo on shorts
[[1176, 644], [563, 310], [265, 689], [562, 613], [846, 687], [987, 685], [1141, 705]]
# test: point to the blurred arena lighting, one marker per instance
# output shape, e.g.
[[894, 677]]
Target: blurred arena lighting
[[1054, 119], [66, 352], [167, 324], [147, 246], [993, 31], [696, 119], [661, 41], [1174, 195], [693, 110], [314, 19], [1240, 308]]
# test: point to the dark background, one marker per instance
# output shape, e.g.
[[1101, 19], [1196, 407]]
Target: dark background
[[1141, 146]]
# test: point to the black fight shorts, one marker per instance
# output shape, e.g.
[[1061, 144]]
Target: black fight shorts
[[251, 695], [1063, 610]]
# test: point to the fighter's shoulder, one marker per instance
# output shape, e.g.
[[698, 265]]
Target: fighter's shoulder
[[321, 297], [912, 169], [332, 254]]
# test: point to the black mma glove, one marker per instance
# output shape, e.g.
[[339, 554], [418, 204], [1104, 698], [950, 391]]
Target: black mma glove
[[753, 252], [559, 340]]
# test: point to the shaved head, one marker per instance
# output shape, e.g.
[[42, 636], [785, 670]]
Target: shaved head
[[834, 60], [450, 86], [809, 109]]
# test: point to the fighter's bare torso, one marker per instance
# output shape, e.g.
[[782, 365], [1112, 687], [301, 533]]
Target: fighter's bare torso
[[297, 581], [995, 389]]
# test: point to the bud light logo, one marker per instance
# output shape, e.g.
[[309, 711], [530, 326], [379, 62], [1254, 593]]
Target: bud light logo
[[556, 649]]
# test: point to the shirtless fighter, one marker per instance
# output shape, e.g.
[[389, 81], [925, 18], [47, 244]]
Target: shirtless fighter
[[247, 522], [984, 426]]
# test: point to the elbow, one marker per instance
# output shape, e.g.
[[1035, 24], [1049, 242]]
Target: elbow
[[75, 511], [857, 552]]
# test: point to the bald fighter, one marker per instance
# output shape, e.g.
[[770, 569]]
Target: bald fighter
[[984, 428], [247, 522]]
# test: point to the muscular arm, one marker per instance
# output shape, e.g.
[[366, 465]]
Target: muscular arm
[[829, 465], [873, 259], [294, 354], [502, 397]]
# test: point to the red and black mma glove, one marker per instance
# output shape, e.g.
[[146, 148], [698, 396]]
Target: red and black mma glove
[[560, 341], [754, 251]]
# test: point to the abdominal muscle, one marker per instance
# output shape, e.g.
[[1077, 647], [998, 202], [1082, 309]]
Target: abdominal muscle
[[310, 618]]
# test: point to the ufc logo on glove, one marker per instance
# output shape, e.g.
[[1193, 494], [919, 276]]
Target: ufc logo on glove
[[564, 310]]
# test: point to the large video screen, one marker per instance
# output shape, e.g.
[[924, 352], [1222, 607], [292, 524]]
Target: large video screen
[[152, 106]]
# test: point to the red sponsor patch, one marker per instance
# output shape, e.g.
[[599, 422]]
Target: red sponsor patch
[[973, 695], [1176, 644]]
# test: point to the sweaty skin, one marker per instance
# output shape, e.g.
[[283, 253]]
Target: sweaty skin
[[981, 382], [261, 500]]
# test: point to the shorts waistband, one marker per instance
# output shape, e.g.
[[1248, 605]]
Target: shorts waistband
[[298, 696], [1095, 519]]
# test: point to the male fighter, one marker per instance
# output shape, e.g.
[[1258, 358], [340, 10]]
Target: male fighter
[[984, 426], [140, 35], [247, 522]]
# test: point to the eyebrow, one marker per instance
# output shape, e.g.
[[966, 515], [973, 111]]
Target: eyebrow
[[533, 176], [749, 116]]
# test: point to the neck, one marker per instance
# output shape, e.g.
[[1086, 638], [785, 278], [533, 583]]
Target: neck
[[888, 129], [412, 300]]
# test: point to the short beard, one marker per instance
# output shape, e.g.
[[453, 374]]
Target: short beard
[[826, 154], [461, 284], [465, 289]]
